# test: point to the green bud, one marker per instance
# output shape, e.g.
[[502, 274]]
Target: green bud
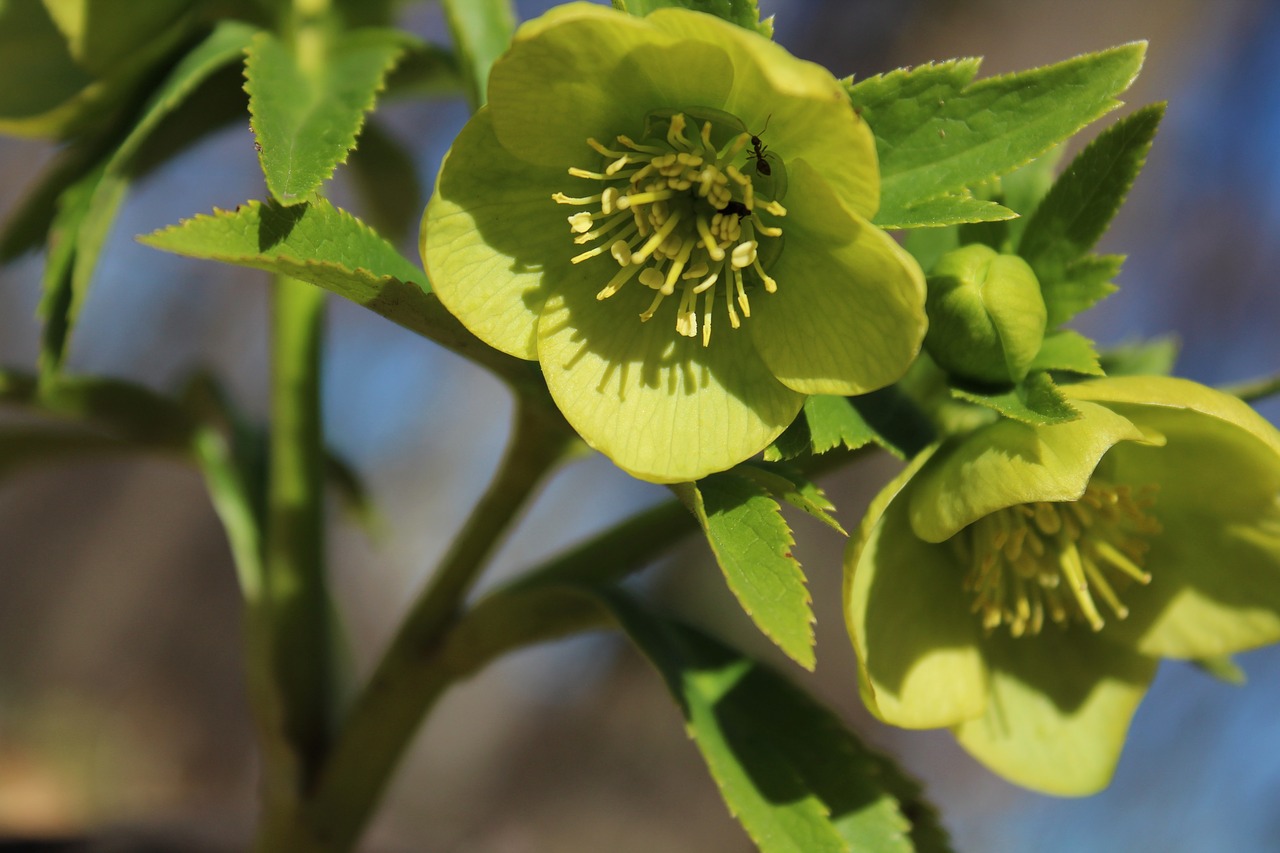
[[986, 315]]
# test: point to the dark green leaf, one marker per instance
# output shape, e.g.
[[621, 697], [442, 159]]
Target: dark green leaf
[[752, 543], [1079, 286], [936, 134], [85, 211], [22, 447], [224, 45], [790, 771], [387, 178], [1068, 351], [1082, 202], [426, 70], [481, 31], [307, 111], [744, 13], [1036, 400]]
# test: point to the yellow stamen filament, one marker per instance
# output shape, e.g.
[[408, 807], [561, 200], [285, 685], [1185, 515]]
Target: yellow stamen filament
[[676, 213], [1057, 560]]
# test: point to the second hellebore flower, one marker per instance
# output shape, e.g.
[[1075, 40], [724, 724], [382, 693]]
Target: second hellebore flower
[[717, 264], [1020, 584]]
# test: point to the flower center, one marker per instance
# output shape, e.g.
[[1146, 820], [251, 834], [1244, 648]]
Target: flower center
[[1049, 558], [677, 214]]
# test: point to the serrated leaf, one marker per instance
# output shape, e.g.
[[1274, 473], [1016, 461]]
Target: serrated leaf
[[315, 242], [481, 31], [1079, 286], [1069, 351], [1154, 357], [936, 133], [744, 13], [306, 114], [789, 770], [1024, 188], [752, 544], [791, 485], [1085, 198], [825, 423], [943, 210], [1036, 401]]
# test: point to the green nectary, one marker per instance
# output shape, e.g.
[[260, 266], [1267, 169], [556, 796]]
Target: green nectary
[[1149, 528], [671, 168]]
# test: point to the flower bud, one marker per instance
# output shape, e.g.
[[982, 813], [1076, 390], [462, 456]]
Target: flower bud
[[986, 315]]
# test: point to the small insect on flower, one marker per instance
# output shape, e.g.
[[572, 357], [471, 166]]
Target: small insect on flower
[[759, 149]]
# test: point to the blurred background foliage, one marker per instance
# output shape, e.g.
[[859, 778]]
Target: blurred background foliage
[[122, 705]]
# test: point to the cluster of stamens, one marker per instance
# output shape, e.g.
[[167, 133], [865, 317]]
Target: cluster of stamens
[[677, 216], [1050, 559]]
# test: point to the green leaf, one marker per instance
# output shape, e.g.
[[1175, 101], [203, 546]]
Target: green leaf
[[752, 543], [791, 485], [1082, 202], [481, 31], [1036, 400], [28, 226], [744, 13], [936, 133], [790, 771], [1069, 351], [943, 210], [825, 423], [1222, 667], [78, 231], [315, 242], [307, 110], [1078, 286], [1154, 357], [387, 178], [224, 45]]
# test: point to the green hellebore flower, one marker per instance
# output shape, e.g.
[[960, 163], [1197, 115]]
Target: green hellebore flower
[[1020, 584], [670, 142]]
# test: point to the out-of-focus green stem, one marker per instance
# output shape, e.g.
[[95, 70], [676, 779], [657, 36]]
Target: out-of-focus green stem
[[409, 678], [481, 32], [1259, 389], [290, 628]]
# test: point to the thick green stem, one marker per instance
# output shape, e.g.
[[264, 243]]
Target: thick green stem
[[409, 678], [291, 627]]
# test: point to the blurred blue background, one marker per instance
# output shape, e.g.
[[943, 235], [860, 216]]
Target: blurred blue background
[[121, 703]]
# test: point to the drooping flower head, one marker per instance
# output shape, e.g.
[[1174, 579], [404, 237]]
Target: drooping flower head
[[1020, 584], [670, 214]]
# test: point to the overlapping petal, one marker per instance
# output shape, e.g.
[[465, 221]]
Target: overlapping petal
[[1050, 710], [831, 306]]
